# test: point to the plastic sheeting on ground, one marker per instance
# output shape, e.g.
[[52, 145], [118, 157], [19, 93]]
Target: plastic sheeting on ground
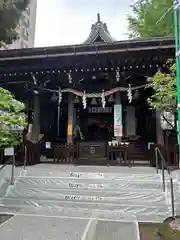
[[128, 194]]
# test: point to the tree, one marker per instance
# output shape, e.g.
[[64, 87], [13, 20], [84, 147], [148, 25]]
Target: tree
[[164, 90], [145, 15], [12, 117], [10, 13]]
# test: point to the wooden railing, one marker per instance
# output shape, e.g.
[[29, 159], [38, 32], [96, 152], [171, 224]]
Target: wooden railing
[[119, 154], [65, 153], [115, 155]]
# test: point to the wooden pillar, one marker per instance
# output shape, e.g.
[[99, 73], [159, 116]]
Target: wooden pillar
[[130, 120], [70, 119], [36, 118], [58, 119], [33, 136]]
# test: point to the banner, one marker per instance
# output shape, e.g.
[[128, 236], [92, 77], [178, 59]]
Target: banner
[[118, 120], [70, 130]]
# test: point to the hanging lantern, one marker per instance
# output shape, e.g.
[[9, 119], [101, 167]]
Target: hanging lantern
[[111, 99], [54, 97], [84, 100], [129, 94], [136, 94], [93, 102], [76, 99], [117, 74], [103, 100], [159, 70]]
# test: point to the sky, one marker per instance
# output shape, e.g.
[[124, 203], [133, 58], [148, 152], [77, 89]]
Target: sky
[[63, 22]]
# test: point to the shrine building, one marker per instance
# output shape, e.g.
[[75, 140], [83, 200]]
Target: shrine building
[[99, 86]]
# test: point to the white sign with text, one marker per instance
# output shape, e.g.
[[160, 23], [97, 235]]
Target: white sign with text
[[9, 151]]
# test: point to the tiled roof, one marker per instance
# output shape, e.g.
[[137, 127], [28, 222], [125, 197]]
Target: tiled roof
[[99, 33]]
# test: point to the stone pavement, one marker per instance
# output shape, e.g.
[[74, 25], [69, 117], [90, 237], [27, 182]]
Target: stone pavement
[[45, 228]]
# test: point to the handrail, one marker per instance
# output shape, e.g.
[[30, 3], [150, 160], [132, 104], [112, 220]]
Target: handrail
[[164, 162], [9, 160], [5, 164], [165, 166]]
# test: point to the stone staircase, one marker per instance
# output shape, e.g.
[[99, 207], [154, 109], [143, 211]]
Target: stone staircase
[[129, 194]]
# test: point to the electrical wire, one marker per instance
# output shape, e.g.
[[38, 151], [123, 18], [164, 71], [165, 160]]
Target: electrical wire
[[164, 15]]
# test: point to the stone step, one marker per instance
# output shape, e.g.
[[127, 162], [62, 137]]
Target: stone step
[[92, 175], [99, 184], [87, 209], [68, 168], [133, 197]]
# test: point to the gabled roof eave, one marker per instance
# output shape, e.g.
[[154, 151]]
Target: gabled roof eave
[[99, 29]]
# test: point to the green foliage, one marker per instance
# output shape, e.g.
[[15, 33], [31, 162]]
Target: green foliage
[[12, 119], [164, 86], [10, 13], [169, 235], [146, 13]]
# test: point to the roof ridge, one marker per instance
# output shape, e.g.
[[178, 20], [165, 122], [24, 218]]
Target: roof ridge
[[99, 29]]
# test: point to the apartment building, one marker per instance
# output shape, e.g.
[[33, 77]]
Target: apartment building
[[26, 28]]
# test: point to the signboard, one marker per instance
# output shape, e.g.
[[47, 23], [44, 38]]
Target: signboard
[[167, 120], [91, 151], [48, 145], [82, 185], [86, 175], [81, 198], [118, 131], [100, 110], [118, 120], [70, 130], [76, 185], [9, 152]]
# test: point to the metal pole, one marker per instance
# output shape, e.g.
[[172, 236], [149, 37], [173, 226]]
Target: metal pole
[[172, 197], [12, 172], [25, 157], [157, 164], [175, 20], [163, 176]]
